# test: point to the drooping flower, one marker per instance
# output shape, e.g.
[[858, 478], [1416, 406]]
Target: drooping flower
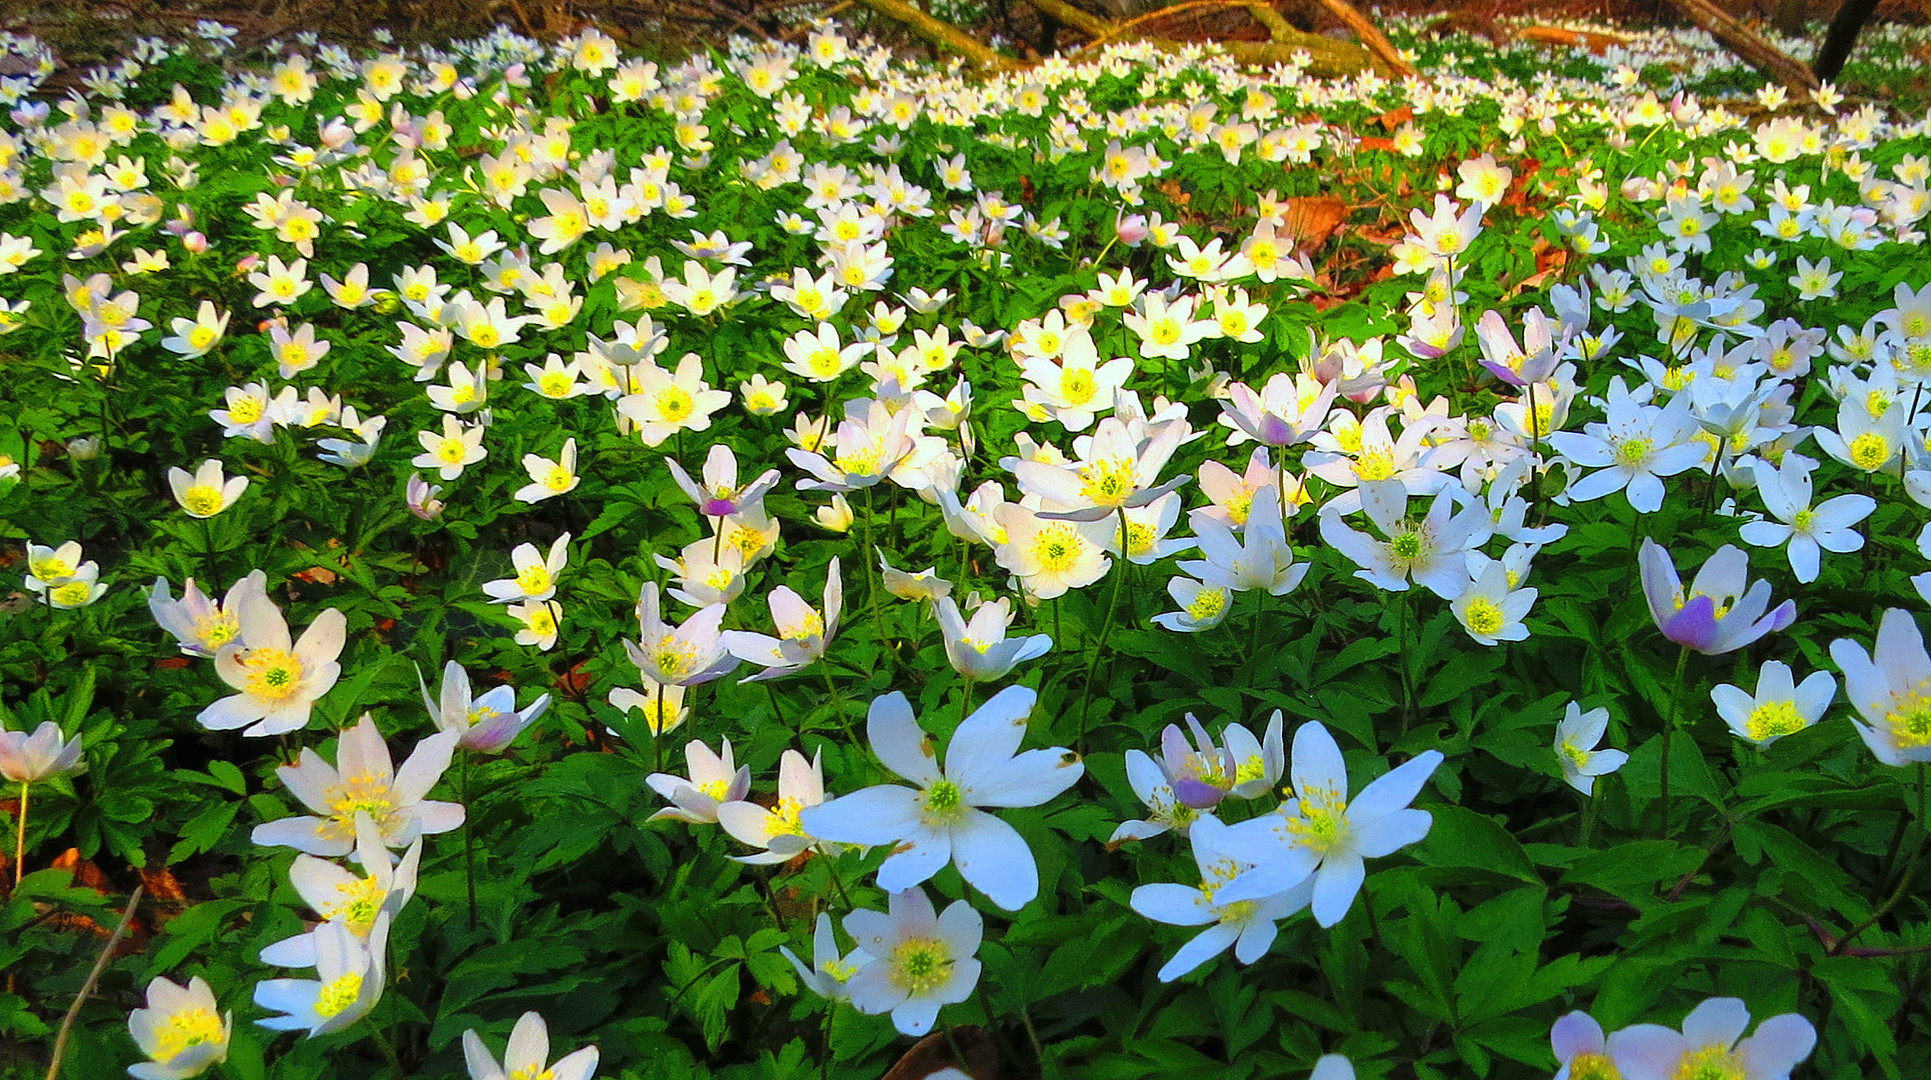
[[912, 960], [1723, 610], [720, 495], [527, 1056], [182, 1030], [364, 781], [1165, 811], [277, 681], [941, 821], [1320, 832]]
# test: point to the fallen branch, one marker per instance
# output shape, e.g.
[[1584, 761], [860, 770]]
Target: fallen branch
[[1369, 35], [1327, 57], [941, 34], [1750, 46]]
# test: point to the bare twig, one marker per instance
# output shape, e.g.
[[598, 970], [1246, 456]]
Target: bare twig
[[87, 988]]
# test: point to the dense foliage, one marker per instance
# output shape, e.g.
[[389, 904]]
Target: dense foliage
[[1412, 534]]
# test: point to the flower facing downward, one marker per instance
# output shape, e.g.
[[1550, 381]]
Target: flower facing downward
[[913, 960], [1576, 739], [1718, 614], [182, 1030], [486, 723], [777, 830], [276, 681], [206, 493], [527, 1055], [363, 781], [1890, 687], [941, 821], [1321, 832], [340, 895]]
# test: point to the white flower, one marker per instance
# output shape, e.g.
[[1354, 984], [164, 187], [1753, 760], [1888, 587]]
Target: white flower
[[1711, 1044], [199, 625], [1575, 748], [715, 780], [340, 896], [206, 493], [1890, 687], [277, 682], [486, 723], [350, 972], [1779, 707], [914, 960], [527, 1055], [550, 478], [803, 633], [536, 573], [182, 1030], [1489, 610], [1247, 925], [1804, 529], [1320, 832], [979, 650], [364, 781], [777, 831], [830, 972], [941, 821]]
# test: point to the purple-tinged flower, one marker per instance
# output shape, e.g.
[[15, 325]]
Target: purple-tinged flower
[[1582, 1052], [1723, 610], [1711, 1044]]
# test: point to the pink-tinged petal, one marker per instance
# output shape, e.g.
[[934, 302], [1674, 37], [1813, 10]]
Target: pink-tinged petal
[[993, 858], [986, 741], [361, 752], [1205, 945], [899, 742], [883, 814], [1778, 1046], [1032, 778], [1175, 905], [1335, 886]]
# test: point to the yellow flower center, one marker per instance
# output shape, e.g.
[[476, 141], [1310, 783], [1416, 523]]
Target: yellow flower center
[[534, 579], [943, 801], [1058, 547], [1209, 604], [452, 451], [1484, 616], [1077, 386], [1108, 482], [1633, 451], [202, 500], [487, 336], [1713, 1062], [361, 902], [1375, 464], [675, 404], [338, 995], [245, 410], [784, 819], [273, 674], [49, 568], [533, 1072], [1774, 718], [1321, 825], [920, 966], [1911, 721], [559, 479], [362, 794], [193, 1027], [1593, 1067], [73, 594], [1870, 451]]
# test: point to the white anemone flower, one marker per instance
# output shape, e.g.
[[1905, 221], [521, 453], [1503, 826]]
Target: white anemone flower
[[205, 493], [913, 959], [1321, 832], [363, 781], [277, 681], [182, 1030], [942, 821], [1248, 926], [527, 1055], [350, 972]]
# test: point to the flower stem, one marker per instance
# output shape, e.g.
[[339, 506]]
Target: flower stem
[[20, 838], [93, 977], [1106, 626], [871, 568], [208, 539], [657, 730], [469, 839], [1669, 729]]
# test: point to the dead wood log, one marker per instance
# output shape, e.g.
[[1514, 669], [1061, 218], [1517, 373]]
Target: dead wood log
[[941, 34], [1749, 45], [1327, 57]]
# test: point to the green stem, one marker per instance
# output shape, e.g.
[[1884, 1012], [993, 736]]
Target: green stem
[[1669, 728], [871, 569], [20, 837], [1106, 627], [469, 839], [214, 567]]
